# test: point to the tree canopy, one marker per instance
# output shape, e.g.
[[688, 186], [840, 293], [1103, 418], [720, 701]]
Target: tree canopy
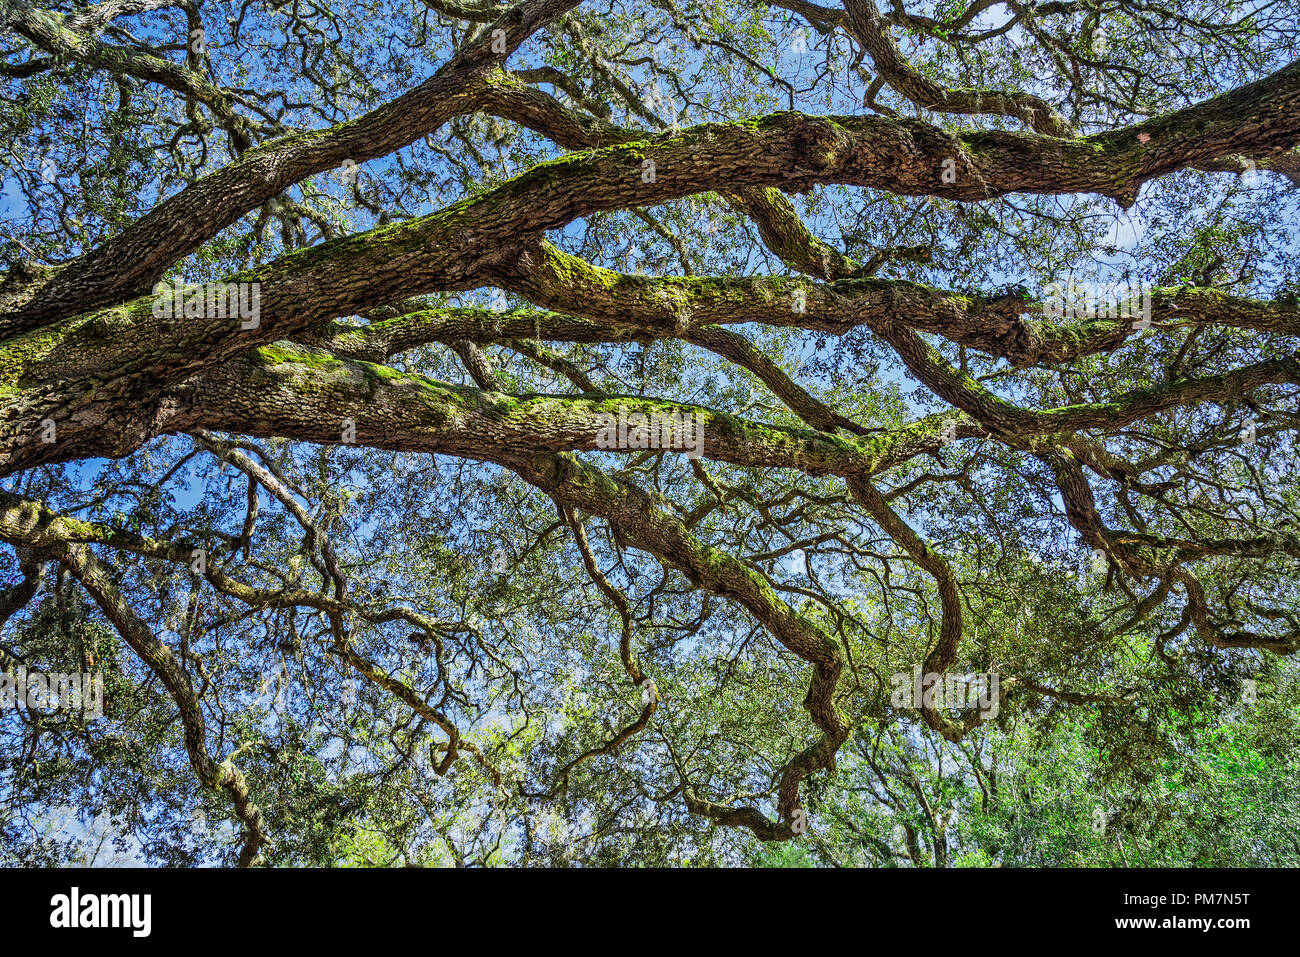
[[578, 432]]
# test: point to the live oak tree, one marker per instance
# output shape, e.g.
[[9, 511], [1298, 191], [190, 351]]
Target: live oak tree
[[372, 575]]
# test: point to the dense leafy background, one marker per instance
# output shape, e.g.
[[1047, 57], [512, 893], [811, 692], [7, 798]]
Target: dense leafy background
[[1190, 769]]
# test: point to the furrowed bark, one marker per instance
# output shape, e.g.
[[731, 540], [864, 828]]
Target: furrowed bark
[[130, 263]]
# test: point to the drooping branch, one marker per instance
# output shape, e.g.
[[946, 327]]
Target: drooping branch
[[645, 525], [631, 665], [30, 525]]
